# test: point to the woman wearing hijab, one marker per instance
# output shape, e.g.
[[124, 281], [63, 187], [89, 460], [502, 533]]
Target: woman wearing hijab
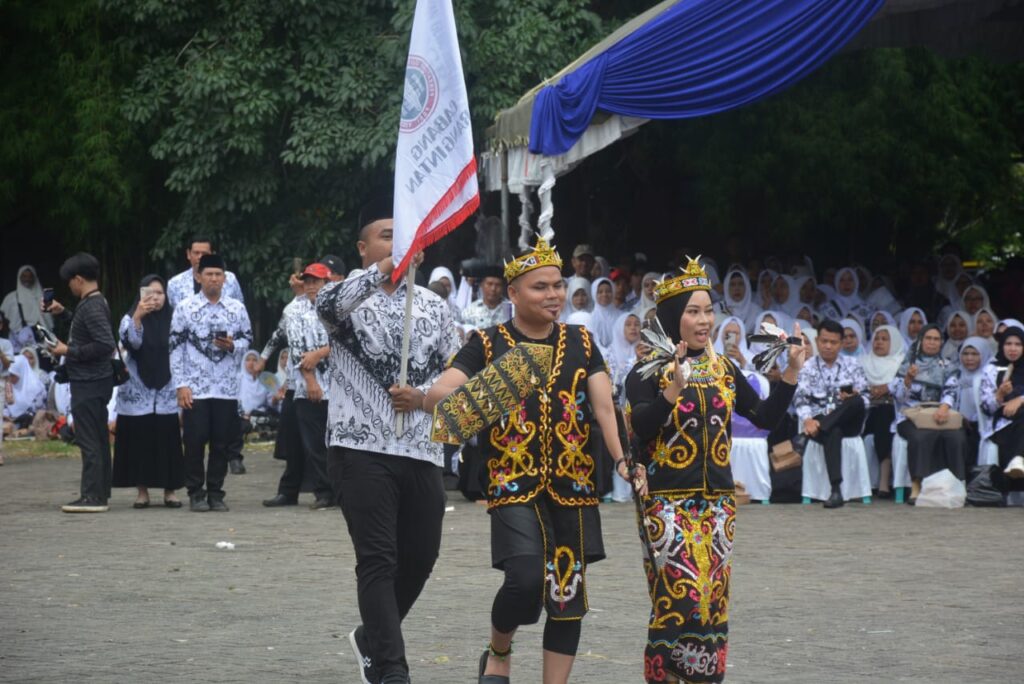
[[810, 336], [847, 286], [22, 308], [974, 299], [880, 318], [784, 294], [683, 423], [24, 393], [880, 367], [912, 321], [984, 323], [602, 269], [853, 338], [922, 378], [776, 318], [739, 299], [1006, 323], [958, 328], [765, 281], [445, 277], [647, 292], [621, 358], [604, 313], [975, 354], [147, 451], [950, 269], [253, 395], [1002, 398], [33, 362], [731, 341], [577, 297]]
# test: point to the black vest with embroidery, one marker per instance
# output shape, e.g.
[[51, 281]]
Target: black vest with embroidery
[[545, 446], [691, 452]]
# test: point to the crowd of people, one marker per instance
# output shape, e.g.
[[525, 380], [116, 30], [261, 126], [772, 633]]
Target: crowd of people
[[926, 365]]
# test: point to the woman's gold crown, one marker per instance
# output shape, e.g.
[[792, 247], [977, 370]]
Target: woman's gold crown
[[541, 255], [691, 278]]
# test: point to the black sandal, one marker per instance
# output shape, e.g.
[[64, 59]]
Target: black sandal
[[141, 504], [172, 503], [492, 679]]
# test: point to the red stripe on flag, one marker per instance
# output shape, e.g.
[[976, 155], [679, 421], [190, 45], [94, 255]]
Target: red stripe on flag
[[425, 239]]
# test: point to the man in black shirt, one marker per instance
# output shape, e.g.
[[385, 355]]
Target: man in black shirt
[[87, 359]]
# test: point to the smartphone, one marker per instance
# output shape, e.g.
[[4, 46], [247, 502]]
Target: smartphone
[[296, 264], [47, 298], [846, 389], [144, 292], [730, 339], [221, 334]]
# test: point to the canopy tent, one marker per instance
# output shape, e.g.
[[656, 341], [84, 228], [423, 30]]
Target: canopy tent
[[686, 58]]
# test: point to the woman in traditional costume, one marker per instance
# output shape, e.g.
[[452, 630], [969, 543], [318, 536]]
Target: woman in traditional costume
[[681, 415]]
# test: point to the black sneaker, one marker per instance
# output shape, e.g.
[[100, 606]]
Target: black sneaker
[[197, 502], [85, 504], [321, 505], [216, 503], [280, 500], [367, 672], [236, 466]]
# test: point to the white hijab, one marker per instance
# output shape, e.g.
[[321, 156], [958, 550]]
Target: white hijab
[[963, 303], [719, 343], [253, 395], [602, 318], [464, 297], [968, 406], [889, 320], [764, 294], [812, 335], [781, 320], [623, 352], [645, 301], [743, 308], [442, 272], [576, 283], [848, 303], [283, 370], [27, 389], [947, 287], [905, 322], [951, 348], [854, 325], [30, 299], [40, 373], [880, 370]]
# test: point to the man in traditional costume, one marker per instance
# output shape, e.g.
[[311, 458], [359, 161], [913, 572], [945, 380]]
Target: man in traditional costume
[[541, 495]]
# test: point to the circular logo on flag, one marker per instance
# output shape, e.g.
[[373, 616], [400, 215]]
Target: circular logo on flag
[[420, 98]]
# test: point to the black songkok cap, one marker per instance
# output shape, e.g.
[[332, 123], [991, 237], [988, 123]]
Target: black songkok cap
[[335, 263], [377, 209], [81, 264], [492, 271], [211, 261]]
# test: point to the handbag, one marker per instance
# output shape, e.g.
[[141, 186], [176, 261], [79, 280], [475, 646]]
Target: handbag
[[923, 417], [784, 457]]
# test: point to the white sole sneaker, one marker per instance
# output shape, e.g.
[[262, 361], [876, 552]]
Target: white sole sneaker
[[1016, 468], [84, 508], [362, 659]]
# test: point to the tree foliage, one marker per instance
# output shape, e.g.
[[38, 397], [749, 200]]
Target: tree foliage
[[275, 119]]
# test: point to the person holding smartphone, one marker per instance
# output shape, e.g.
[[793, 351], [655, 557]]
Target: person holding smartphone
[[21, 308], [210, 334], [831, 401]]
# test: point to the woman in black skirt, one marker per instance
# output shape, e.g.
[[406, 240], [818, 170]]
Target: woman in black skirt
[[147, 452]]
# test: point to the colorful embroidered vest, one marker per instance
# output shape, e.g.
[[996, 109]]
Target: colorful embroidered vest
[[544, 447], [691, 453]]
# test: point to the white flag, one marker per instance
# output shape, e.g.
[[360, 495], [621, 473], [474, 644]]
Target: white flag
[[435, 169]]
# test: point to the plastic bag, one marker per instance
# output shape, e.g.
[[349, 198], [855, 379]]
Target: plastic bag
[[942, 490], [981, 491]]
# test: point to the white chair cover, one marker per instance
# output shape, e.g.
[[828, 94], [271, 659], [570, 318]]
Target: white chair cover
[[749, 461], [856, 479], [869, 449], [900, 462]]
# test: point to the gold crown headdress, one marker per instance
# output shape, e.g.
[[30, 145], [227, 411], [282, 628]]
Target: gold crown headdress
[[691, 278], [542, 254]]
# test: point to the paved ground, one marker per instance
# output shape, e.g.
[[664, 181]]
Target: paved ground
[[879, 593]]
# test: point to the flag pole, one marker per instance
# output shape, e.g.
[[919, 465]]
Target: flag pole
[[403, 374]]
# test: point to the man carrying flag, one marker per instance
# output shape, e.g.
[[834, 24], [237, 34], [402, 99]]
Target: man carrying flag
[[385, 468]]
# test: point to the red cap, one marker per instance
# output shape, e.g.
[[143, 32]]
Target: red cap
[[617, 274], [317, 271]]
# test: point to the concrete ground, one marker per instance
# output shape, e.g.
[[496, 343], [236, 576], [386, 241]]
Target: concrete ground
[[880, 593]]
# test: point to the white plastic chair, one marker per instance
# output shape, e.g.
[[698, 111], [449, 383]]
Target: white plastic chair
[[749, 461], [856, 477]]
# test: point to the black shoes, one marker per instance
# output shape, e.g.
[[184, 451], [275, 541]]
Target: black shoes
[[489, 679], [836, 499], [198, 502], [280, 500], [236, 466], [216, 504], [85, 504], [367, 672], [321, 505]]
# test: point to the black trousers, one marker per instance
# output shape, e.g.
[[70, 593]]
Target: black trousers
[[393, 507], [89, 410], [1010, 441], [879, 424], [210, 422], [845, 421], [929, 451], [237, 441], [287, 432], [311, 459]]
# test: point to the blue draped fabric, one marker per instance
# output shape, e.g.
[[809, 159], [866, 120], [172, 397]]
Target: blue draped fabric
[[697, 58]]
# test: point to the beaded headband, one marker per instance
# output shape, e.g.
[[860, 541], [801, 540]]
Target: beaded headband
[[541, 255], [692, 278]]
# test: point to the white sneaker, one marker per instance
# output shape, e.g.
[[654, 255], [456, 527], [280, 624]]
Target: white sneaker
[[1016, 468]]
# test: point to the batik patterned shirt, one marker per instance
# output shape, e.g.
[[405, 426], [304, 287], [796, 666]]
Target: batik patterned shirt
[[480, 316], [365, 326], [133, 397], [196, 363], [305, 333], [817, 387], [184, 285], [279, 338]]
